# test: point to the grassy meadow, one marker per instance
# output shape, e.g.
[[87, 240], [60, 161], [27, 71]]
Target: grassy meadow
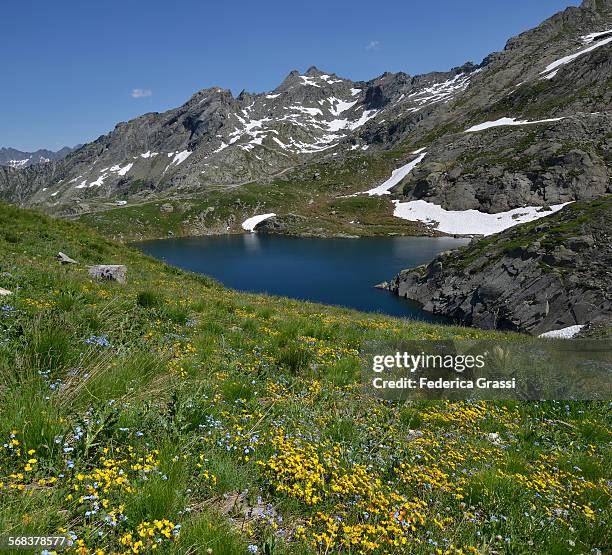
[[173, 415]]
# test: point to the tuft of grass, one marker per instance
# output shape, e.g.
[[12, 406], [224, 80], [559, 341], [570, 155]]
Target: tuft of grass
[[207, 532], [149, 299], [294, 358]]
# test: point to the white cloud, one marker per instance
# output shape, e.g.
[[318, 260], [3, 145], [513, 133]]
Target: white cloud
[[373, 45], [141, 93]]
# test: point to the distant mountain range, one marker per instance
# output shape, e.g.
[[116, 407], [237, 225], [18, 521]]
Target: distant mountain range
[[19, 159]]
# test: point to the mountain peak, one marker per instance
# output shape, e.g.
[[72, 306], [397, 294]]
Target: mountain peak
[[291, 78], [313, 71], [20, 159]]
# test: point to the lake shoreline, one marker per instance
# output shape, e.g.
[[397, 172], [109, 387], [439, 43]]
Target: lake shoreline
[[156, 237], [330, 271]]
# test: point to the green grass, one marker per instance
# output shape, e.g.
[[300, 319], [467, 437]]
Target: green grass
[[239, 420]]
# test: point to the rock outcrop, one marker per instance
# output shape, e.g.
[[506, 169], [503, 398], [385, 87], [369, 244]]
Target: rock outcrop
[[64, 258], [277, 225], [535, 277]]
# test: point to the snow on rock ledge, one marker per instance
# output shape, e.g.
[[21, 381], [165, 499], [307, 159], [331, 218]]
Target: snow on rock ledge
[[468, 222], [250, 223], [563, 333], [506, 121], [180, 157], [593, 39]]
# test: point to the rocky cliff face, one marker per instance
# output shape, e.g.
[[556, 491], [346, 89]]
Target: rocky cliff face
[[506, 167], [535, 277], [539, 122]]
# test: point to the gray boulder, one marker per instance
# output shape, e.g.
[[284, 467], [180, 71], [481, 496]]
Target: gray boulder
[[110, 272]]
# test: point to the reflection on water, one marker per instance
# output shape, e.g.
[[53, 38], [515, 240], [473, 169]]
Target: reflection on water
[[251, 243]]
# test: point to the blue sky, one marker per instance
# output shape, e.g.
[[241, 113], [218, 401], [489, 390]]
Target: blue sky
[[70, 68]]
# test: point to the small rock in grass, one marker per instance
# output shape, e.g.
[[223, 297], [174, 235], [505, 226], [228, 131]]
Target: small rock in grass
[[111, 272], [65, 259], [494, 438], [5, 292]]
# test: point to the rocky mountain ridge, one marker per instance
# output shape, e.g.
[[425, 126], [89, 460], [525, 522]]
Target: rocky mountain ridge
[[19, 159], [218, 139]]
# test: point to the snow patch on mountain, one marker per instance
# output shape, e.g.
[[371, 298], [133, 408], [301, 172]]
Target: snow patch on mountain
[[365, 117], [468, 222], [99, 181], [339, 106], [18, 163], [118, 169], [329, 79], [223, 146], [440, 92], [179, 157], [551, 69], [307, 80], [506, 121], [250, 223], [563, 333], [305, 110], [396, 176], [125, 169], [587, 39]]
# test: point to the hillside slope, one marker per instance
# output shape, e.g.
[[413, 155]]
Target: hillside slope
[[535, 277], [175, 413]]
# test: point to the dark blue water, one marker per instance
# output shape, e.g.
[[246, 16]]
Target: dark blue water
[[332, 271]]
